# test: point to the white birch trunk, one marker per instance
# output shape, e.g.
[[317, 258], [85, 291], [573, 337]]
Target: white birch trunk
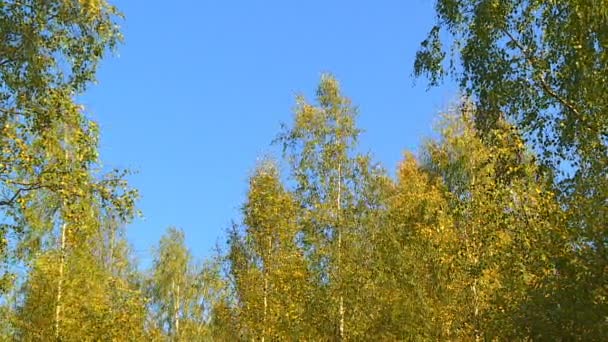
[[339, 229], [60, 282]]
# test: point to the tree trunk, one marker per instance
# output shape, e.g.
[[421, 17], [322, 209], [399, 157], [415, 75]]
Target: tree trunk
[[112, 241], [174, 332], [265, 319], [177, 314], [60, 282], [339, 229]]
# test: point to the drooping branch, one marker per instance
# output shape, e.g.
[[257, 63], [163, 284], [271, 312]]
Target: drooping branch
[[541, 80]]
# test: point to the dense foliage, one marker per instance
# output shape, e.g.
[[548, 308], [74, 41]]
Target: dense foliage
[[496, 230]]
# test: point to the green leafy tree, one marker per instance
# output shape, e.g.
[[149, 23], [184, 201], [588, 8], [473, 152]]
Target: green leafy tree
[[52, 199], [542, 65], [48, 146], [539, 63]]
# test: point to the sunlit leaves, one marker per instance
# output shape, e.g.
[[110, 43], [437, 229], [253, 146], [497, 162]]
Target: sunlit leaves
[[48, 146], [268, 267], [542, 66]]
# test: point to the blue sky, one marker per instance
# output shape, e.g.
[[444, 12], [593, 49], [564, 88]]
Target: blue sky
[[198, 91]]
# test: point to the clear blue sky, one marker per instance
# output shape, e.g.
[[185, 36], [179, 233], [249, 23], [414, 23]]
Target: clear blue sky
[[199, 89]]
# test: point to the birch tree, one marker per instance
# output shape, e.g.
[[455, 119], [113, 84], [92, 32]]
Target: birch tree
[[542, 65], [268, 266], [320, 149]]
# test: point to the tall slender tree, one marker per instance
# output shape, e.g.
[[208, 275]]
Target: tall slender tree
[[170, 279], [321, 150], [181, 293], [97, 301], [413, 259], [269, 269]]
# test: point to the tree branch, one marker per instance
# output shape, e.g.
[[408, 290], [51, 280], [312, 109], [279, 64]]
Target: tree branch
[[541, 79], [9, 202]]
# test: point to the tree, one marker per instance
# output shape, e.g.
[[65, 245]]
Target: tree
[[328, 176], [207, 314], [100, 297], [169, 281], [48, 146], [268, 267], [511, 241], [52, 199], [181, 293], [541, 65], [413, 259]]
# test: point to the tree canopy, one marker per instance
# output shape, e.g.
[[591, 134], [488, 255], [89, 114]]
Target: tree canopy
[[494, 230]]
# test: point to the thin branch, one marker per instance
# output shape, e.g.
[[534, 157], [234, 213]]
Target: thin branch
[[541, 79], [10, 201]]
